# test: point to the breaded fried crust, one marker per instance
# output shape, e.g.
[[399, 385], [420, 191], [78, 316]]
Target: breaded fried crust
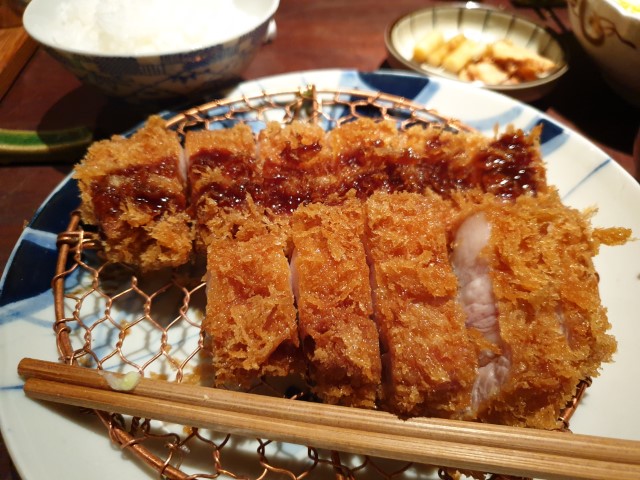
[[371, 218], [430, 363], [221, 169], [134, 189], [298, 166], [551, 319], [250, 314], [331, 277], [285, 167]]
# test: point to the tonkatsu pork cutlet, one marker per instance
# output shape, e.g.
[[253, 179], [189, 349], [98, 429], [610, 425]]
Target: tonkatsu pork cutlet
[[134, 189], [298, 167], [222, 172], [366, 152], [331, 285], [426, 272], [508, 165], [240, 181], [373, 155], [250, 314], [429, 361], [530, 290]]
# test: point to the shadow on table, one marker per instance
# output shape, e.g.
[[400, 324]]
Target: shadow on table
[[7, 468], [88, 115]]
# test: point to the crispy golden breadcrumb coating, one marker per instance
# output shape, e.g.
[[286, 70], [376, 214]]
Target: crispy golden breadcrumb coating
[[425, 271], [222, 165], [250, 315], [134, 189], [551, 319], [331, 278], [429, 361]]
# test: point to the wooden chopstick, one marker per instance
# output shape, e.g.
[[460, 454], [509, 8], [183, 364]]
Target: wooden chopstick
[[448, 443]]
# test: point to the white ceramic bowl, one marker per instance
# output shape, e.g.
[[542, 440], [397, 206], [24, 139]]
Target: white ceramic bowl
[[480, 23], [610, 34], [166, 74]]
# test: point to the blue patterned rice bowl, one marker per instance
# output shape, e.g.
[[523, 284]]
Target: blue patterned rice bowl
[[147, 76]]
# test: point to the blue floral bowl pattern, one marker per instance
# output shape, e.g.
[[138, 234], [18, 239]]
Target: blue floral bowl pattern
[[165, 76], [156, 77]]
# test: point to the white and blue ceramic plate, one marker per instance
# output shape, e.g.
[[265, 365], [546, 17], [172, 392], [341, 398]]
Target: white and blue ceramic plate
[[49, 441]]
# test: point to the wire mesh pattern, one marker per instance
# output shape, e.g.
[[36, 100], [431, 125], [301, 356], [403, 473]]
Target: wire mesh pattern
[[110, 318]]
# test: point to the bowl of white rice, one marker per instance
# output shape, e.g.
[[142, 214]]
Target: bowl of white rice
[[151, 49]]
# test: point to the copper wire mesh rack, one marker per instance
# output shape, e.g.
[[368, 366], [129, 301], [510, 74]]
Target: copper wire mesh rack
[[109, 317]]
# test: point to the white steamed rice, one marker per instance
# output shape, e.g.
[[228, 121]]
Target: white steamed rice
[[138, 27]]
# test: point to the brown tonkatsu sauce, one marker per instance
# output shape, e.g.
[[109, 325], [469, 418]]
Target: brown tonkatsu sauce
[[236, 170], [506, 168], [136, 183]]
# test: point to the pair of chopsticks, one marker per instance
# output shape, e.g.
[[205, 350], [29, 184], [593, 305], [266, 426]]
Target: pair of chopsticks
[[439, 442]]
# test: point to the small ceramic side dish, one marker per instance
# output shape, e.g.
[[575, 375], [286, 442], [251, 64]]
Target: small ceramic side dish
[[484, 25]]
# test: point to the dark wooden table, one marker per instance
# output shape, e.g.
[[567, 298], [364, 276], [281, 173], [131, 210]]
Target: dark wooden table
[[311, 35]]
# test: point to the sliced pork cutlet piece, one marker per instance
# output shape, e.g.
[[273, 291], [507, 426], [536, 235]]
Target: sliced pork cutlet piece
[[250, 317], [134, 189], [365, 152], [373, 155], [429, 361], [529, 288], [445, 161], [223, 172], [297, 166], [331, 285]]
